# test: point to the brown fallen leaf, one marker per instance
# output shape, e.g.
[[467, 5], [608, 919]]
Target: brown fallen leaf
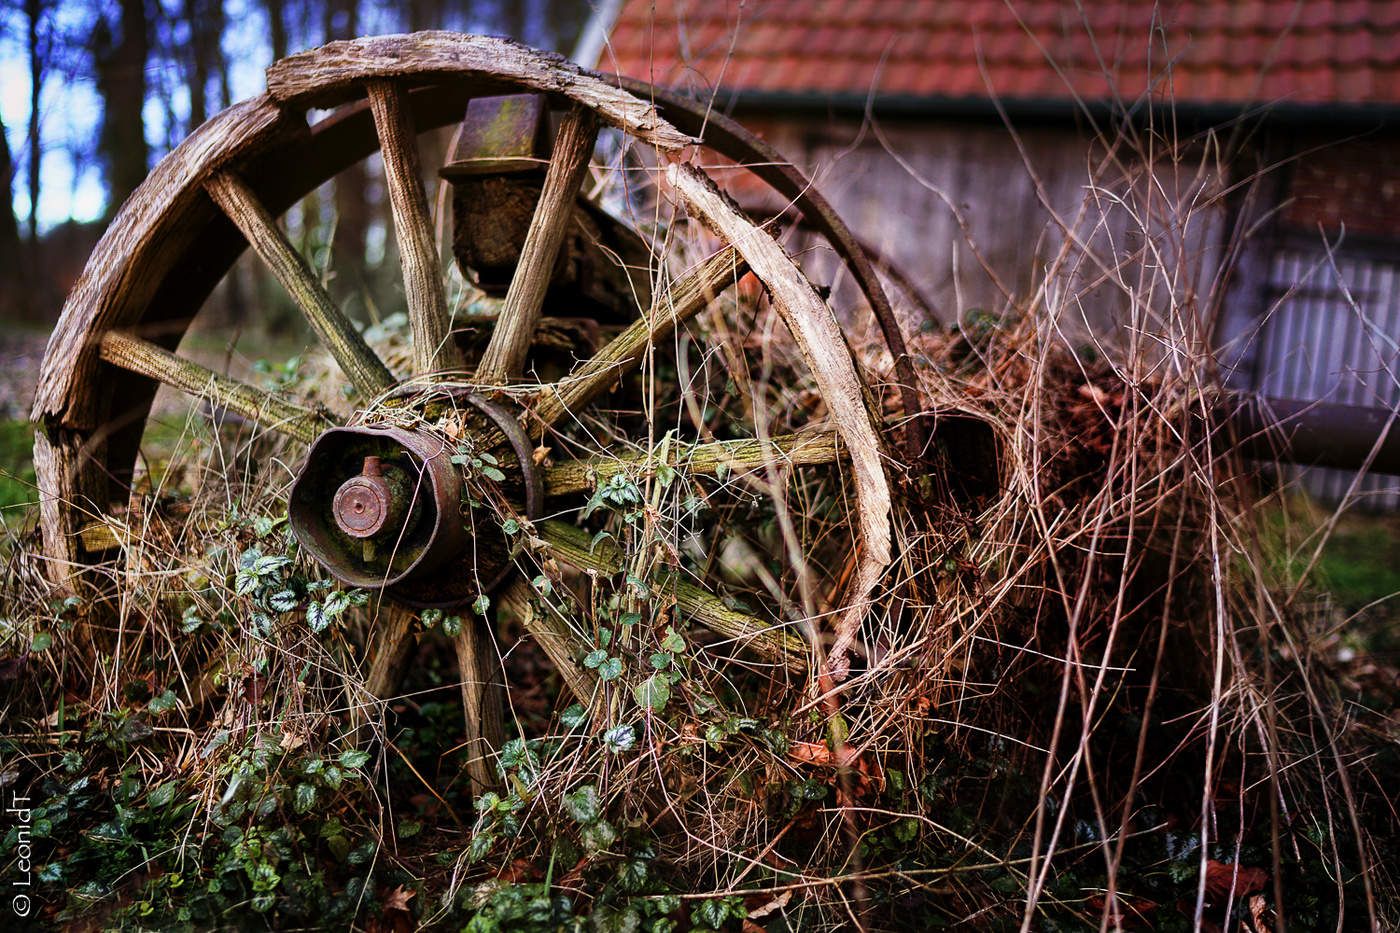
[[777, 903], [398, 898], [1223, 879]]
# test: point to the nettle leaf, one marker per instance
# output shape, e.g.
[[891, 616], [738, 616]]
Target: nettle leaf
[[42, 642], [490, 458], [353, 758], [573, 717], [409, 828], [510, 526], [317, 617], [660, 660], [583, 805], [269, 564], [493, 474], [595, 659], [163, 703], [653, 693], [598, 836], [673, 642], [452, 626], [643, 591], [305, 798], [542, 585], [245, 582], [337, 602], [619, 739], [162, 796], [480, 846], [630, 618], [611, 669], [284, 600]]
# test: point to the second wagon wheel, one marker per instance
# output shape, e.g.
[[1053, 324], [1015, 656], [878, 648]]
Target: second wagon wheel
[[380, 494]]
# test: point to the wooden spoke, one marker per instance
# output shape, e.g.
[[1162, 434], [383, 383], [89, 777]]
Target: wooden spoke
[[433, 349], [807, 448], [362, 367], [144, 357], [393, 638], [687, 297], [574, 546], [510, 342], [483, 697], [555, 637]]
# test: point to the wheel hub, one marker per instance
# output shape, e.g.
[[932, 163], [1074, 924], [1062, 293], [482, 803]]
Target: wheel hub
[[388, 508]]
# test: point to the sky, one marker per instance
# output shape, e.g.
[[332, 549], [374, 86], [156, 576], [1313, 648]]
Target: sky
[[70, 110]]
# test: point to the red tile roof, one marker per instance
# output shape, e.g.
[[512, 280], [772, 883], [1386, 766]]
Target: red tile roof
[[1205, 52]]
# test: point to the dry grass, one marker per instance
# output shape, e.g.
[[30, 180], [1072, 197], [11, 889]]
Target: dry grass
[[1084, 692]]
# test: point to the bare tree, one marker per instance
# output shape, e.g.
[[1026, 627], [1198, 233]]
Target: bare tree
[[38, 57], [13, 292], [121, 81]]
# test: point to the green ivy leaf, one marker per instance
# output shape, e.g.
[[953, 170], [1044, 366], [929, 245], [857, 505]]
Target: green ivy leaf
[[430, 617], [43, 641], [482, 604], [452, 625], [493, 474], [510, 526], [595, 659], [409, 828]]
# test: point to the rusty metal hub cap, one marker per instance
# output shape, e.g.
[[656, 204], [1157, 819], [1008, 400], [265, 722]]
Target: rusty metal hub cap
[[388, 508]]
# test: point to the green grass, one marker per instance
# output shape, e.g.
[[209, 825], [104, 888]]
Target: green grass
[[16, 464]]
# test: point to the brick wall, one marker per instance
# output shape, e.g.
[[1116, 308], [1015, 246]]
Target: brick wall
[[1355, 183]]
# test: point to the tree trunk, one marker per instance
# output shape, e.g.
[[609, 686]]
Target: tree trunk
[[14, 294], [277, 28], [351, 206], [121, 82], [33, 11]]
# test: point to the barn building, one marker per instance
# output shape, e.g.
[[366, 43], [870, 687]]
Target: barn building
[[1251, 146]]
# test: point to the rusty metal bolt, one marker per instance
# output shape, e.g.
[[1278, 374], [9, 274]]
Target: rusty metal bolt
[[364, 505]]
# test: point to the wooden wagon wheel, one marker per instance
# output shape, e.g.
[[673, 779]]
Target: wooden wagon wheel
[[222, 189]]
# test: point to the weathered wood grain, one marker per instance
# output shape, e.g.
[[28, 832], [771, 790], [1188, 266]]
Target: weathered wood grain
[[520, 313], [559, 642], [483, 701], [365, 370], [330, 74], [737, 458], [574, 546], [433, 348], [687, 297], [823, 348], [268, 411]]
